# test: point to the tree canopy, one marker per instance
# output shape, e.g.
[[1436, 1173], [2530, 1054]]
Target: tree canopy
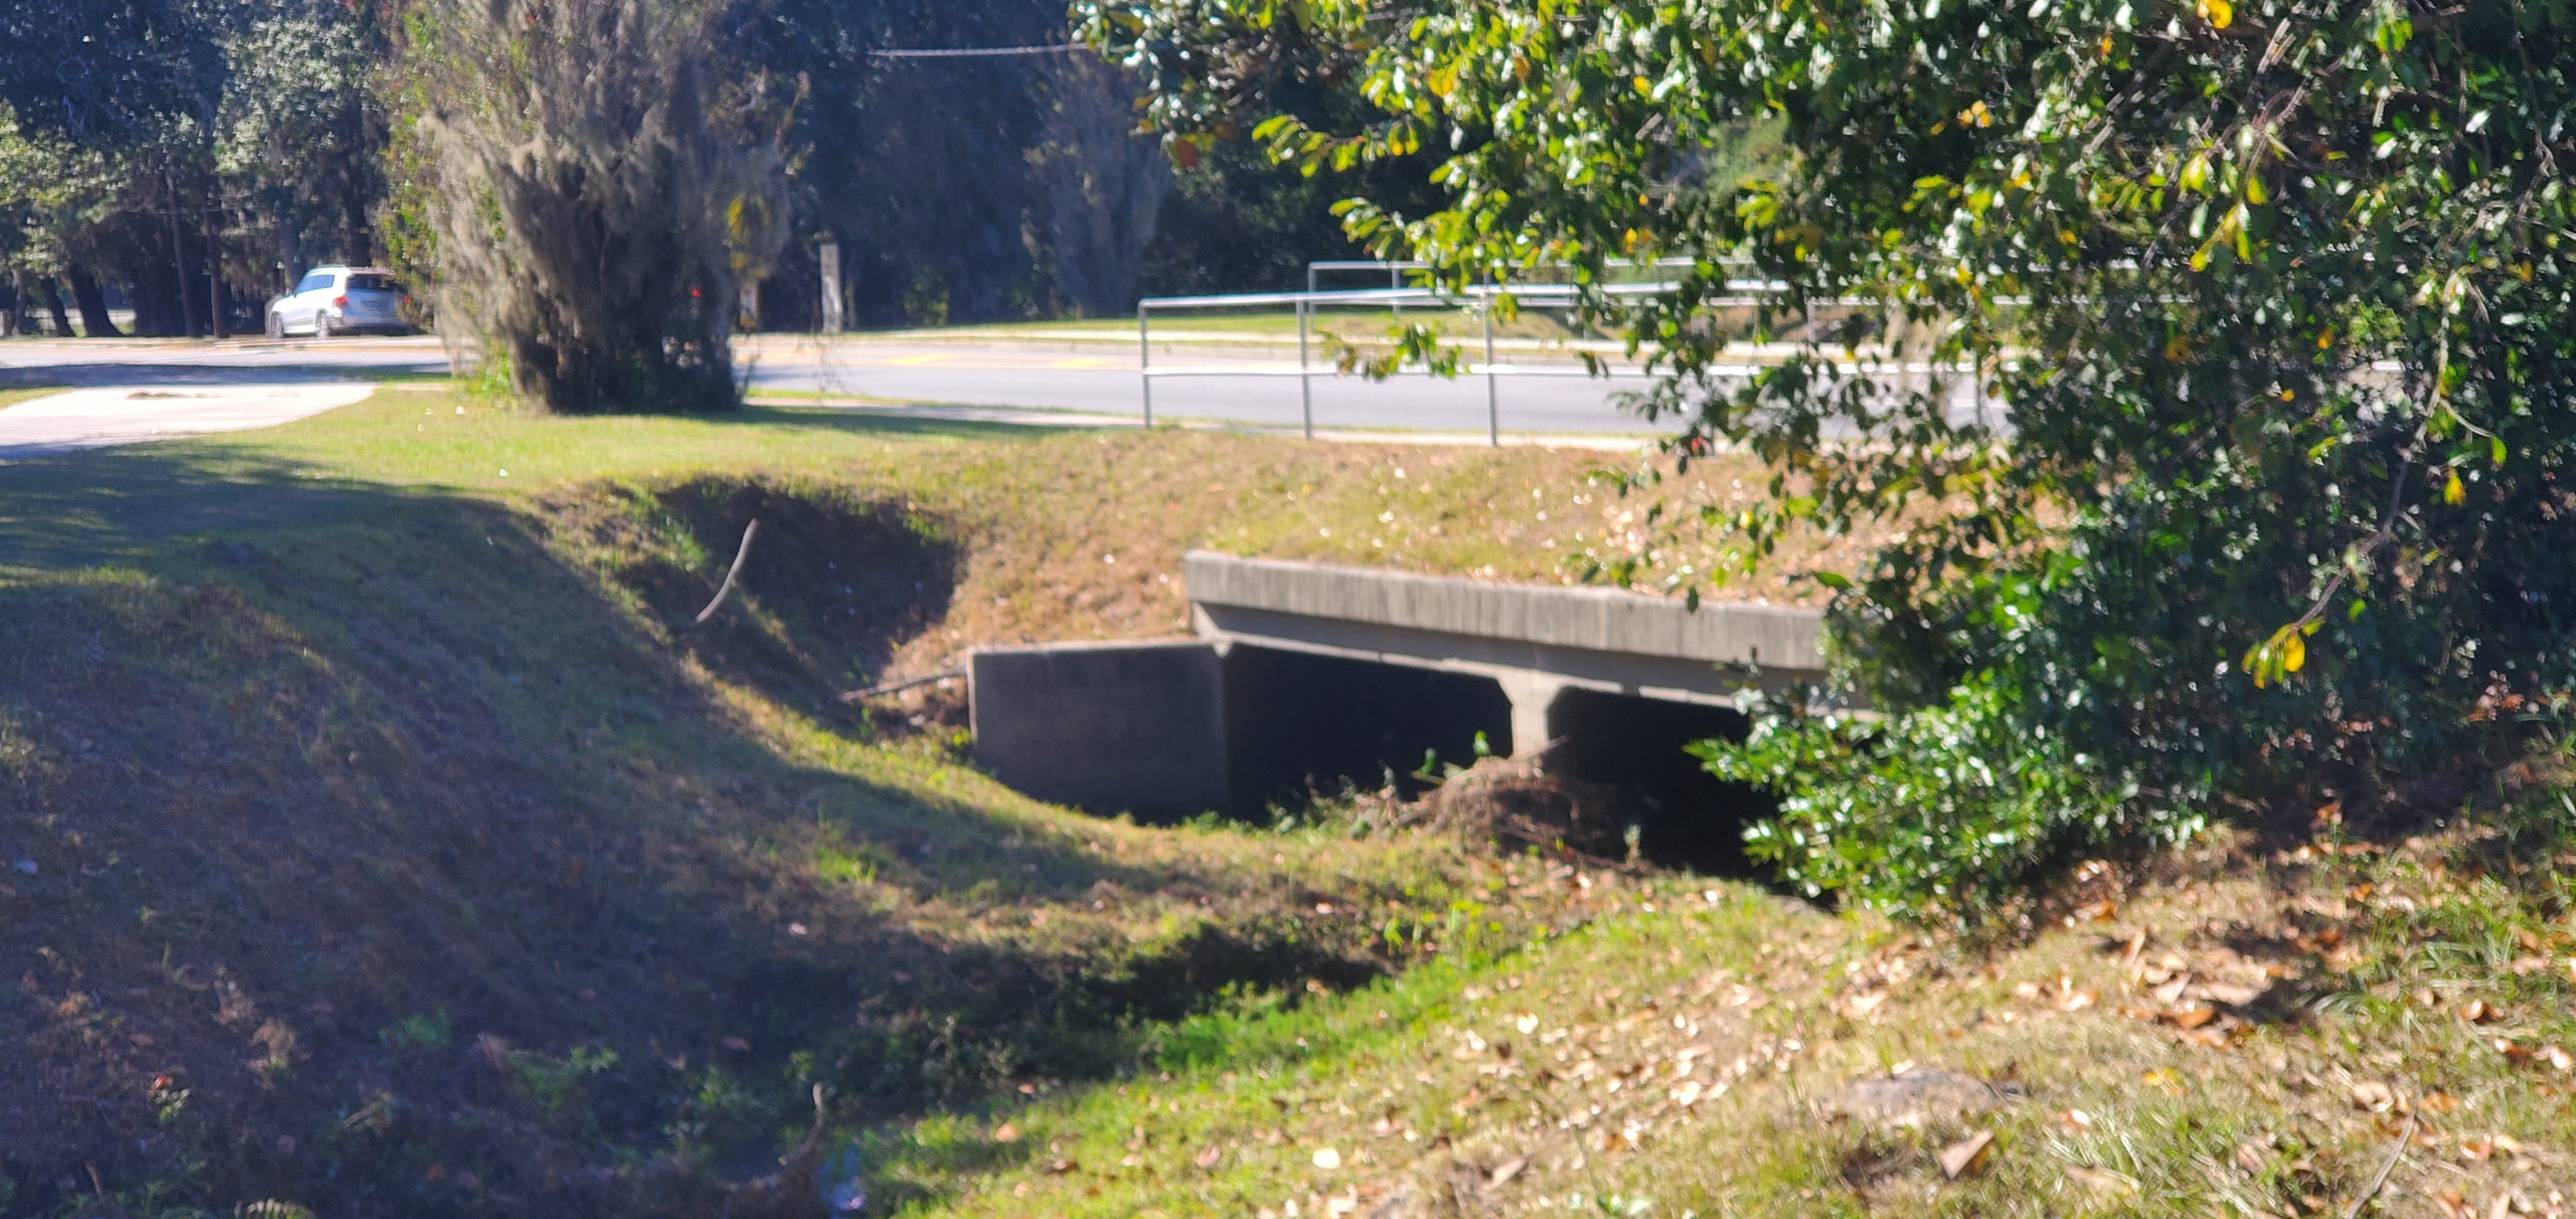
[[2212, 356]]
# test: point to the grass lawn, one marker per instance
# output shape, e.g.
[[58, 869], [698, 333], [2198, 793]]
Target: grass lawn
[[14, 392], [2241, 1036], [382, 838]]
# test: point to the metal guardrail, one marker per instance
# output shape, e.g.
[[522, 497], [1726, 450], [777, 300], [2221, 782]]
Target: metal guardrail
[[1479, 298], [1740, 293]]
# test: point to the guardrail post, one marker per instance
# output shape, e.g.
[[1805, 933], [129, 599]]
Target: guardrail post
[[1145, 363], [1493, 390], [1305, 379]]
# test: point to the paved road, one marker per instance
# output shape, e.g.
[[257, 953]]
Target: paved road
[[1236, 386], [1051, 373], [1065, 376]]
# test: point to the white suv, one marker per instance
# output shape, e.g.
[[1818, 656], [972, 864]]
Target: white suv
[[340, 300]]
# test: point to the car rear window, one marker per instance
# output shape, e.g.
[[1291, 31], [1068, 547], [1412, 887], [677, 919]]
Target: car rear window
[[375, 283]]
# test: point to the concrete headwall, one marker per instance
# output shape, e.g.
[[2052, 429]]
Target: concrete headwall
[[1109, 728]]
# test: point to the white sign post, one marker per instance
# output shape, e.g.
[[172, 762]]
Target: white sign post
[[830, 256]]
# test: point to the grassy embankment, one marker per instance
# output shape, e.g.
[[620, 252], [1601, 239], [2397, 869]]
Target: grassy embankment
[[382, 838], [397, 851]]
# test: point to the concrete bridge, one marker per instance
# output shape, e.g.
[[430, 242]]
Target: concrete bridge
[[1304, 675]]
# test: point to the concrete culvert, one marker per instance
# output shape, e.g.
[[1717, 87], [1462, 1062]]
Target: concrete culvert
[[1298, 723], [1685, 816]]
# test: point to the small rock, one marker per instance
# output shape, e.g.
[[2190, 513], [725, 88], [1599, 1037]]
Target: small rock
[[27, 866], [1968, 1155], [1919, 1096]]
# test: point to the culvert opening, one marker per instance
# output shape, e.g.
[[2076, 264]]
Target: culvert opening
[[1685, 816], [1298, 723]]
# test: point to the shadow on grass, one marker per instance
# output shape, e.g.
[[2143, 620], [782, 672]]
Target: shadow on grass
[[83, 509], [379, 857]]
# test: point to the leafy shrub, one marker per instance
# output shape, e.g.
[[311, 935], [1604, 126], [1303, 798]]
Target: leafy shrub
[[2207, 364], [1928, 815]]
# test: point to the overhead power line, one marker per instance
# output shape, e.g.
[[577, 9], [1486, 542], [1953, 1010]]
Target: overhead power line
[[977, 52]]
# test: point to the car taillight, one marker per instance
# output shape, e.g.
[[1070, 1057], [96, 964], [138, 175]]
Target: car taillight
[[339, 302]]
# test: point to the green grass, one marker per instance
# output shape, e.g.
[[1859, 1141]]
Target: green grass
[[340, 726], [352, 754], [12, 393], [1570, 1060], [380, 801]]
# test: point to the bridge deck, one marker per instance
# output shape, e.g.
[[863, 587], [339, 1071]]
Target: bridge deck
[[1594, 638]]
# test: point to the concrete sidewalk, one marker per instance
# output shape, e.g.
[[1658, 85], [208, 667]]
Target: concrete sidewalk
[[127, 414]]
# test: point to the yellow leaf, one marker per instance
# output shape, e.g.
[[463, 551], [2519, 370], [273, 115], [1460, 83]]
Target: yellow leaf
[[2255, 192], [2294, 654], [2195, 173], [2219, 12], [2452, 492]]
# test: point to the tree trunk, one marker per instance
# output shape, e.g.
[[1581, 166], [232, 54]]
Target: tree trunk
[[152, 311], [93, 306], [290, 250], [1104, 187], [54, 303], [215, 303], [179, 259], [362, 239]]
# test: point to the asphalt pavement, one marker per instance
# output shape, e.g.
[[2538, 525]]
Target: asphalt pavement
[[1236, 383], [1214, 382], [130, 389]]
